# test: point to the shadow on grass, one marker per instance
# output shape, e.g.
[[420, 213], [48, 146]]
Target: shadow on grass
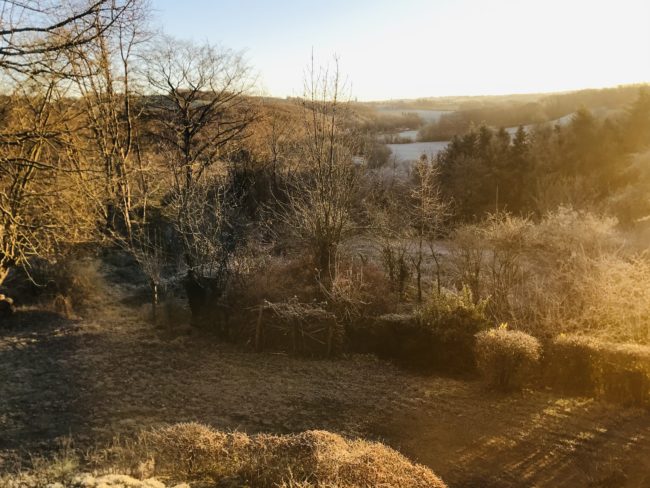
[[41, 391]]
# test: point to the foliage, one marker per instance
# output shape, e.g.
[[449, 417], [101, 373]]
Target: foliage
[[439, 336], [520, 110], [442, 305], [506, 357], [584, 365], [584, 163], [453, 319]]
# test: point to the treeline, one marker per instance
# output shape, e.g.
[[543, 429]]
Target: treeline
[[513, 111], [379, 122], [589, 163]]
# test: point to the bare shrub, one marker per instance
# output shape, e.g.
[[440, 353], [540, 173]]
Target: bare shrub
[[172, 314], [615, 293], [83, 282], [489, 258], [279, 280], [358, 290], [583, 278], [565, 230], [321, 196], [62, 306], [70, 284], [506, 357], [390, 235], [467, 258], [393, 257], [569, 272]]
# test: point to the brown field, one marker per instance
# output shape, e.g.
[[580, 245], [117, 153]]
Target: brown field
[[112, 374]]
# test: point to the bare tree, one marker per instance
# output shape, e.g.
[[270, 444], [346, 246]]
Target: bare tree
[[35, 32], [205, 219], [320, 197], [38, 125], [200, 109], [108, 141], [33, 142], [429, 212]]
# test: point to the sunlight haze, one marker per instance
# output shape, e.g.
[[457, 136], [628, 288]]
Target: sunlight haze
[[420, 48], [326, 243]]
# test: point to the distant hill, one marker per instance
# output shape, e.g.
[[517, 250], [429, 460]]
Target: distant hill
[[590, 98]]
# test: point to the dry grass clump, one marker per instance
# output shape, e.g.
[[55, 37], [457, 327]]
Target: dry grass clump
[[87, 480], [504, 357], [84, 480], [204, 457]]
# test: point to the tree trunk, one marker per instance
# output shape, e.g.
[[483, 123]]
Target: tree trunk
[[4, 272], [154, 302], [435, 259], [196, 298], [418, 275], [326, 262]]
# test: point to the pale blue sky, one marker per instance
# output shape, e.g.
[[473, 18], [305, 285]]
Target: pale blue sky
[[417, 48]]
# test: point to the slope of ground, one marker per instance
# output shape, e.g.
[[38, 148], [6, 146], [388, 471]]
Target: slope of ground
[[112, 374]]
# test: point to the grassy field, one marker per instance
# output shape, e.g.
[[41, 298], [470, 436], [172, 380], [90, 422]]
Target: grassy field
[[113, 374]]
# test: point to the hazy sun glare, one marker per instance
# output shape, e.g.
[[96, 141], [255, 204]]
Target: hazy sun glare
[[429, 47]]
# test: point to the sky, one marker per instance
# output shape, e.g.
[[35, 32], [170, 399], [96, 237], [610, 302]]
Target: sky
[[392, 49]]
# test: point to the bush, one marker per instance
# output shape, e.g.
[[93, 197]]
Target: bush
[[454, 319], [197, 454], [506, 357], [568, 272], [439, 337], [70, 284], [398, 337], [301, 328], [616, 372], [279, 279]]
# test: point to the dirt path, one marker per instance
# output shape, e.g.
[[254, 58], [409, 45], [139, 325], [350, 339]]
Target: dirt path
[[95, 378]]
